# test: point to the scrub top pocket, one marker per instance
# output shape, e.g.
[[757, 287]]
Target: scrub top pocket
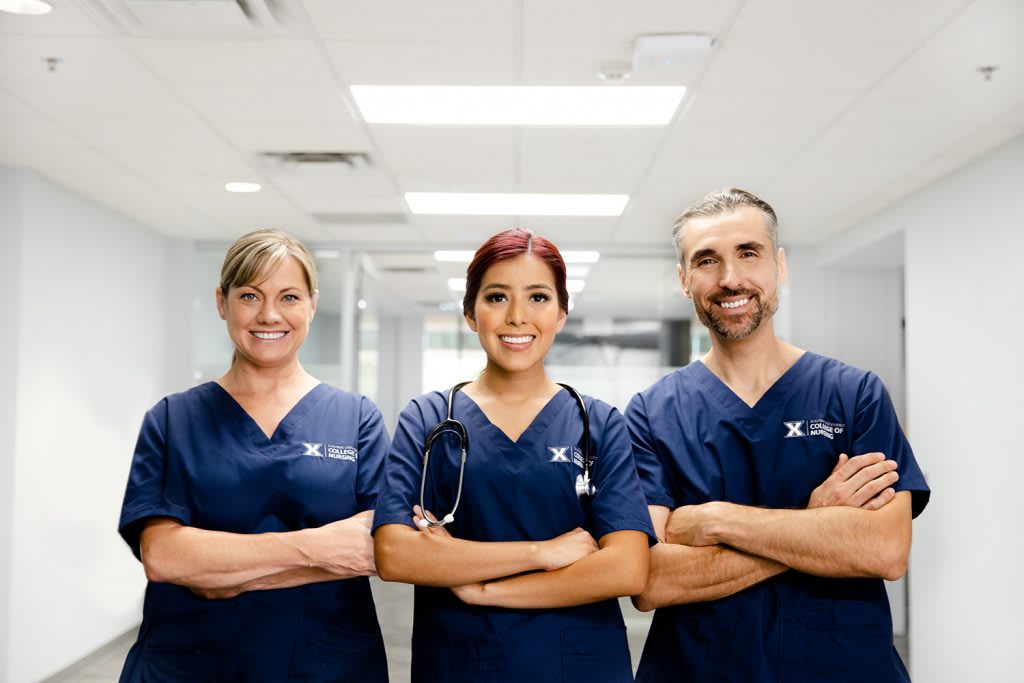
[[816, 640], [458, 659], [596, 656], [182, 648], [325, 653]]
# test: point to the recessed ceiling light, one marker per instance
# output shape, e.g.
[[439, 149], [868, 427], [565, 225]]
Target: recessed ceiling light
[[243, 187], [457, 284], [501, 204], [531, 105], [35, 7], [361, 304], [575, 286]]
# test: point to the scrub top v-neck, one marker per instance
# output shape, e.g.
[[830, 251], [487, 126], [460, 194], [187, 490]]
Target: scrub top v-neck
[[201, 459], [696, 441], [522, 490]]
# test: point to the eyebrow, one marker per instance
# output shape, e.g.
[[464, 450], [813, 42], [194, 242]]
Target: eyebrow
[[502, 285], [258, 289], [746, 246]]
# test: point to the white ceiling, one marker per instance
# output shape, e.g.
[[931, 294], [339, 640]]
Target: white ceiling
[[830, 110]]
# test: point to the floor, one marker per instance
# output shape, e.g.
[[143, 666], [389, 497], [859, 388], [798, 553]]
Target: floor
[[394, 608]]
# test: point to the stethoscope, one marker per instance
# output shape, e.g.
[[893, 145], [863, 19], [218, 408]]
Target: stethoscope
[[452, 426]]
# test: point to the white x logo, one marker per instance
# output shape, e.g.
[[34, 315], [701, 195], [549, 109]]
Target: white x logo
[[558, 454], [795, 429], [313, 449]]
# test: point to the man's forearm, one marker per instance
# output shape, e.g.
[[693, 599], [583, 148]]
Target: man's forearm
[[682, 574], [832, 541]]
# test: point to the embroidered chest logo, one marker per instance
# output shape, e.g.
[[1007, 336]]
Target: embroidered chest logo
[[816, 427], [321, 450], [565, 454], [795, 429]]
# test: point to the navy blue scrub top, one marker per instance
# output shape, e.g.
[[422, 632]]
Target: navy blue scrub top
[[515, 491], [202, 460], [696, 441]]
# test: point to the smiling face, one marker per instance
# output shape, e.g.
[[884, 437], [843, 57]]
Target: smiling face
[[732, 273], [516, 314], [268, 320]]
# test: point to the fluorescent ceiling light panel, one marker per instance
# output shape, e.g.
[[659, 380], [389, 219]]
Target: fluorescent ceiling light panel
[[454, 256], [457, 284], [499, 204], [529, 105], [576, 271], [574, 286], [243, 187], [581, 256], [34, 7]]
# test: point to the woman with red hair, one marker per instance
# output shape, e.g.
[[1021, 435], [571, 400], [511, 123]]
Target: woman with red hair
[[511, 501]]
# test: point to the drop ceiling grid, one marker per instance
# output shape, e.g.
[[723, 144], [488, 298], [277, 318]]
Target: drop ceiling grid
[[865, 20], [425, 62], [612, 20], [279, 63], [401, 20]]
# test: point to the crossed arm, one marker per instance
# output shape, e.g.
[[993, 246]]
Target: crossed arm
[[570, 569], [217, 564], [855, 525]]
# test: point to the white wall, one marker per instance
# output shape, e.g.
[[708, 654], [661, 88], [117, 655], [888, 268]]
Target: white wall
[[90, 313], [10, 247], [964, 336]]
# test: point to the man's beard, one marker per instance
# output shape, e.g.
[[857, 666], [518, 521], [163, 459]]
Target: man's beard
[[734, 327]]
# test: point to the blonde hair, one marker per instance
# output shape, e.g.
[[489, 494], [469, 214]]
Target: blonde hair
[[254, 256]]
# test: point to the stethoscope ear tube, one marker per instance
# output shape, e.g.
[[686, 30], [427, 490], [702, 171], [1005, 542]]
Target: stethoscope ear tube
[[584, 487]]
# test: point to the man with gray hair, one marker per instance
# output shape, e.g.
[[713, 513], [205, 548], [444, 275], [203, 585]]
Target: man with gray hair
[[779, 481]]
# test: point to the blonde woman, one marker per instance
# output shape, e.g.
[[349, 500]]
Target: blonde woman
[[250, 499]]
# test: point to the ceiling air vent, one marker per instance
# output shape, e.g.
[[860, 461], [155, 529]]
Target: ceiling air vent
[[207, 18], [319, 163], [356, 219], [408, 270]]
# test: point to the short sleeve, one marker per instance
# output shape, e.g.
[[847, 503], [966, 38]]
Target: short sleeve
[[876, 428], [146, 496], [618, 503], [373, 450], [402, 470], [654, 476]]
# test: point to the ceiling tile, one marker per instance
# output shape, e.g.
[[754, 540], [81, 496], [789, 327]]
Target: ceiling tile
[[23, 58], [341, 135], [442, 20], [377, 234], [291, 106], [214, 160], [366, 185], [612, 20], [421, 62], [986, 20], [952, 66], [349, 204], [286, 62], [808, 65], [68, 100], [865, 20], [65, 20]]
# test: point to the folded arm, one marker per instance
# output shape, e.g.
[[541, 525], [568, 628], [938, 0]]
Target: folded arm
[[618, 568], [221, 564], [682, 574], [434, 558], [837, 541]]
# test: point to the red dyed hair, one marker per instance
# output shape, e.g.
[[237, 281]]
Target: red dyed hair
[[506, 245]]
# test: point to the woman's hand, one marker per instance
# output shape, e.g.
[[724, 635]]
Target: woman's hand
[[468, 593], [344, 547], [561, 551]]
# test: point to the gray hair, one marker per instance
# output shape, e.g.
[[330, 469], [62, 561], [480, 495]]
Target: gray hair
[[724, 200]]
